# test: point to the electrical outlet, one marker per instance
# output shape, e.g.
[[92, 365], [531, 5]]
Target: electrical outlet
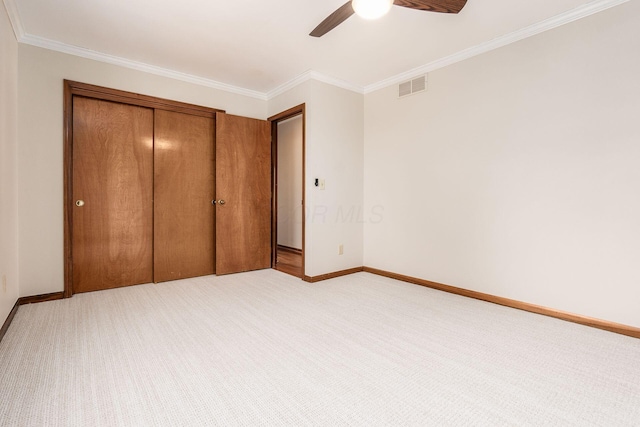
[[4, 284], [341, 250]]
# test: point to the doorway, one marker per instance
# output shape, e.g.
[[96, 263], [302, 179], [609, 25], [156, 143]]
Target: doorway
[[288, 219]]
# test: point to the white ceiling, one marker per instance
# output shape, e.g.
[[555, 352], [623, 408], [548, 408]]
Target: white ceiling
[[261, 45]]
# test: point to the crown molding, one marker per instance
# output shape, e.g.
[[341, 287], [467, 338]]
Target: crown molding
[[164, 72], [313, 75], [298, 80], [336, 82], [548, 24], [14, 18], [139, 66], [580, 12]]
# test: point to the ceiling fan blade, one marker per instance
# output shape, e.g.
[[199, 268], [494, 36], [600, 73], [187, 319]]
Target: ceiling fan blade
[[333, 20], [443, 6]]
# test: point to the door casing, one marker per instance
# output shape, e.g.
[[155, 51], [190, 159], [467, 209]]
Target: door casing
[[280, 117]]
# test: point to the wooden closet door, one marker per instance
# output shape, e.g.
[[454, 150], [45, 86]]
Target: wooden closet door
[[112, 188], [243, 190], [184, 189]]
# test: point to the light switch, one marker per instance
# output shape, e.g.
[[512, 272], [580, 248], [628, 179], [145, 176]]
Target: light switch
[[321, 184]]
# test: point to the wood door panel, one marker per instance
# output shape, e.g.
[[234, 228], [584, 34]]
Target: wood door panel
[[113, 175], [243, 181], [184, 227]]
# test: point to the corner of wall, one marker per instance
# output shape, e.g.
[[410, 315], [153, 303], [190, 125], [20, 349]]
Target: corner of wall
[[335, 150], [9, 287]]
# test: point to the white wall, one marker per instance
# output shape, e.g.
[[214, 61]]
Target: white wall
[[290, 182], [293, 97], [334, 152], [40, 152], [517, 174], [8, 165]]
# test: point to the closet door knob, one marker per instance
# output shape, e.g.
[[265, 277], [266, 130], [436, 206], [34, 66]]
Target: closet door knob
[[79, 203], [221, 202]]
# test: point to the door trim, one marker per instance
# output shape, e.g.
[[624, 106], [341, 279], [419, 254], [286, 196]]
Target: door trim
[[285, 115], [71, 89]]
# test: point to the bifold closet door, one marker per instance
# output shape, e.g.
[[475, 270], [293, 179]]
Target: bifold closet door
[[112, 190], [243, 190], [184, 221]]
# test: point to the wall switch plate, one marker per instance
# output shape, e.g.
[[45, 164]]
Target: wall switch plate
[[341, 250], [321, 184]]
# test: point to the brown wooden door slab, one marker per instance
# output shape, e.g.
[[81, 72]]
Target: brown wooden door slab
[[184, 188], [112, 188], [243, 182]]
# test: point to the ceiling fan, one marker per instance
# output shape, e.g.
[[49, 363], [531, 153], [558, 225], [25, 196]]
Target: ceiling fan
[[372, 9]]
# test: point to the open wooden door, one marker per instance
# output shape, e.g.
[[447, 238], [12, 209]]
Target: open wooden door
[[243, 193]]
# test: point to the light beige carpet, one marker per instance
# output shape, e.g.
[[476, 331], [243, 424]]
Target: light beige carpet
[[264, 348]]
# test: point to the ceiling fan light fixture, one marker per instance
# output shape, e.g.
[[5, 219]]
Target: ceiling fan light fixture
[[371, 9]]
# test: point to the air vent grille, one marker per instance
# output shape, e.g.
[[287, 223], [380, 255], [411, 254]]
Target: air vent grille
[[404, 89], [419, 84]]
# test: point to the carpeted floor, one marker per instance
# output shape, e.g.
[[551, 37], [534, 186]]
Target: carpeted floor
[[264, 348]]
